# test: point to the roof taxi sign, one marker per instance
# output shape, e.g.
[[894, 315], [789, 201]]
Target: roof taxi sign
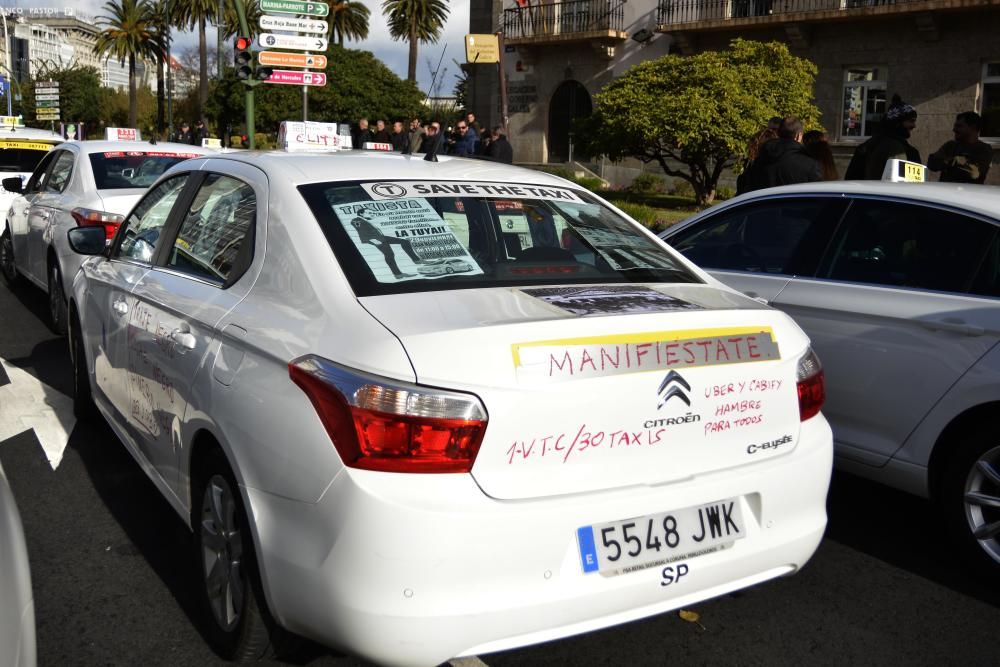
[[298, 136], [122, 134], [904, 171]]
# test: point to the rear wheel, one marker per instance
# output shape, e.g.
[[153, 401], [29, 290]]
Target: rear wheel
[[83, 400], [238, 626], [971, 499], [7, 265], [57, 300]]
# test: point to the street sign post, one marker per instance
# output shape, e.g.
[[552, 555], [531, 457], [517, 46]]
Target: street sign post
[[293, 24], [297, 78], [280, 59], [46, 97], [295, 7], [267, 40]]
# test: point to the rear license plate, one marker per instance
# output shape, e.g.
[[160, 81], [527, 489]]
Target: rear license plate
[[633, 544]]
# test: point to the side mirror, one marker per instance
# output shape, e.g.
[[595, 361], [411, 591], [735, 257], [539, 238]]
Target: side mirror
[[13, 184], [87, 240]]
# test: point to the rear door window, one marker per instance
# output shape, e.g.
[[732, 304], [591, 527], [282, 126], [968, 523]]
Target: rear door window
[[138, 239], [908, 245]]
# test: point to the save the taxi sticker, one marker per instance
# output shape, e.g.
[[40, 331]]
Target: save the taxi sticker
[[600, 356], [404, 240], [407, 189]]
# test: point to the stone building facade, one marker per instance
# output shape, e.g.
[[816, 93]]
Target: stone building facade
[[941, 56]]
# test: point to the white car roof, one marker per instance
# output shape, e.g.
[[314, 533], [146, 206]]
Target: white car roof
[[102, 146], [8, 133], [981, 199], [355, 165]]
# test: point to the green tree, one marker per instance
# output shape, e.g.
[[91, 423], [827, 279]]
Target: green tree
[[193, 14], [231, 22], [129, 34], [360, 85], [348, 20], [79, 95], [415, 21], [693, 115]]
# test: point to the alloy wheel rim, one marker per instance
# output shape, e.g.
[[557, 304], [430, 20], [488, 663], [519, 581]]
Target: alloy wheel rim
[[982, 502], [222, 553]]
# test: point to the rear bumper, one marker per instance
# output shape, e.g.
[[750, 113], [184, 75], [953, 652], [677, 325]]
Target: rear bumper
[[414, 570]]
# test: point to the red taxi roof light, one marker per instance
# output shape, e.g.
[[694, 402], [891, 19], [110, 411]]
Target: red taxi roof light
[[811, 385], [88, 217], [378, 424]]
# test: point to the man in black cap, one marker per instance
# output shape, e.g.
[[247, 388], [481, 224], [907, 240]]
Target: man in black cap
[[890, 143]]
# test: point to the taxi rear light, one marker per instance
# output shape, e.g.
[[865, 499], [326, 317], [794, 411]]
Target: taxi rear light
[[811, 385], [389, 426], [88, 217]]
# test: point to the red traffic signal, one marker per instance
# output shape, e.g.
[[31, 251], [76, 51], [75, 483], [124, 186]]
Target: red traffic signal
[[242, 57]]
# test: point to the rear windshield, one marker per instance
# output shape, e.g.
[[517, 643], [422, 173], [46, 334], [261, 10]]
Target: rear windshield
[[117, 170], [409, 236], [14, 160]]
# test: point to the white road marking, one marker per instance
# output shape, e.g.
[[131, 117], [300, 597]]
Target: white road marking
[[26, 403], [471, 661]]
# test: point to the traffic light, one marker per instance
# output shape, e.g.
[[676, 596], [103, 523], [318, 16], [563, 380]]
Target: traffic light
[[243, 57], [263, 73], [244, 141]]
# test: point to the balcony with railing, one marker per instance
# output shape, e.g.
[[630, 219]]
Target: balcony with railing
[[681, 15], [601, 21]]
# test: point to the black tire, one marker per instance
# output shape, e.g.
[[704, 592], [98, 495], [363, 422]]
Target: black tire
[[83, 399], [57, 301], [970, 500], [237, 623], [7, 266]]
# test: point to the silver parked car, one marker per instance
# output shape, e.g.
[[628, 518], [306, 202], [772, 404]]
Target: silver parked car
[[79, 183], [898, 286], [17, 606]]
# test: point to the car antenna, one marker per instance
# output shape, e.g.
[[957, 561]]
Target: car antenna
[[432, 151]]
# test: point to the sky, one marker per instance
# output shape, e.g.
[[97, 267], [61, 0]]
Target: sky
[[393, 54]]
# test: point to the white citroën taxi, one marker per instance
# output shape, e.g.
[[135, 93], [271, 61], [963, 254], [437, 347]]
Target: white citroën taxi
[[578, 429]]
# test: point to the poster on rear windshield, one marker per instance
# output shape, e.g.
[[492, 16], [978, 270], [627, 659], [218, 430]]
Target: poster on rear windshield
[[405, 239]]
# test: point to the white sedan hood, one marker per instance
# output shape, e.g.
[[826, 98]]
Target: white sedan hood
[[590, 388]]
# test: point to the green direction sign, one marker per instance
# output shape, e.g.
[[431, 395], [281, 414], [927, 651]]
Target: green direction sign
[[47, 104], [295, 7]]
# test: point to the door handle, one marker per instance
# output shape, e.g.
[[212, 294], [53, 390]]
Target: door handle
[[120, 307], [185, 339], [952, 325], [27, 210]]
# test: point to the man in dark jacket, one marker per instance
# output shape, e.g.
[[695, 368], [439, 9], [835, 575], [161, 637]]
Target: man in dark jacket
[[200, 133], [783, 161], [499, 149], [889, 143]]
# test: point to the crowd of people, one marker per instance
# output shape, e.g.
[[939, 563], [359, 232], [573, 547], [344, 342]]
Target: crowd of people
[[782, 154], [465, 139]]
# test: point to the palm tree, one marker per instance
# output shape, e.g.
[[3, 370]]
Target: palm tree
[[231, 23], [196, 14], [129, 34], [415, 21], [162, 24], [348, 20]]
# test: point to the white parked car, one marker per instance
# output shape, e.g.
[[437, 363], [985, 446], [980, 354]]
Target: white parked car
[[79, 183], [578, 430], [898, 286], [21, 149]]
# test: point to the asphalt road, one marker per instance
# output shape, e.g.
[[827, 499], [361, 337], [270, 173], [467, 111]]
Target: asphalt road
[[112, 571]]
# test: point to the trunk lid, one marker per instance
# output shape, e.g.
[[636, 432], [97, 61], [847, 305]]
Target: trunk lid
[[607, 386]]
